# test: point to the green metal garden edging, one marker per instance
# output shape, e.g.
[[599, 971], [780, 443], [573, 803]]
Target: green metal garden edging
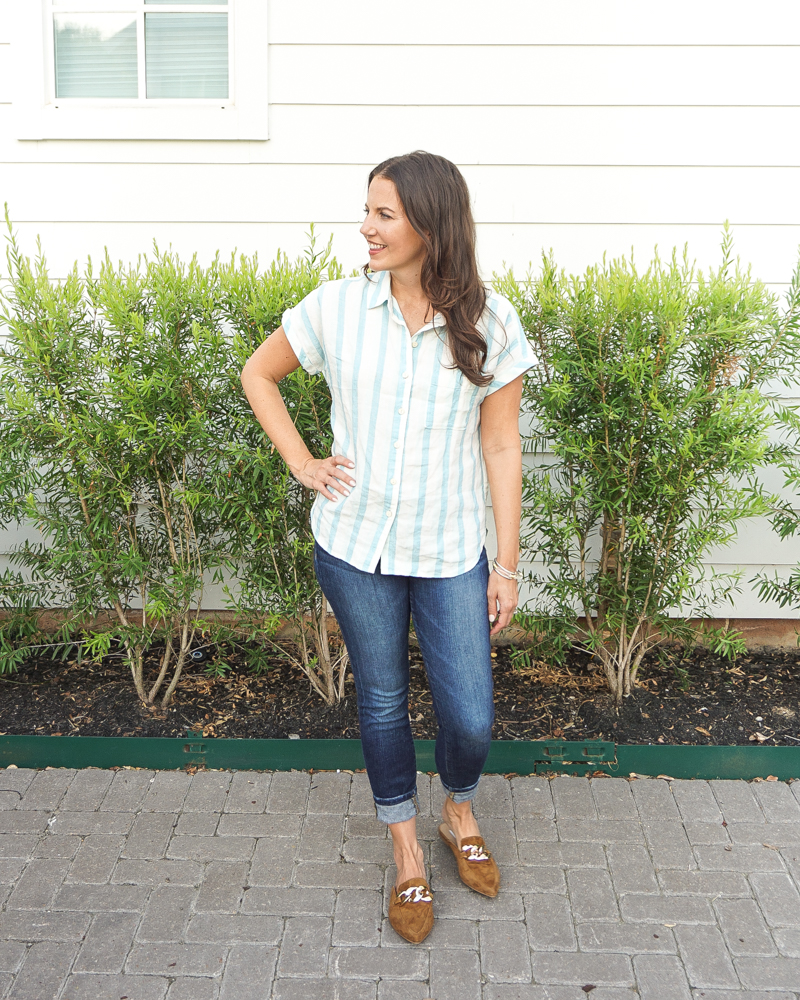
[[505, 756]]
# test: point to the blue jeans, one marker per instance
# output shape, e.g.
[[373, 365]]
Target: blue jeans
[[452, 625]]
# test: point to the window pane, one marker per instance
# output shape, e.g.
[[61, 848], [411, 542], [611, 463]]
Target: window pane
[[95, 55], [186, 55]]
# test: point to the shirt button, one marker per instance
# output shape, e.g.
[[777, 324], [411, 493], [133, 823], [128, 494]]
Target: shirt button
[[397, 444], [401, 410], [388, 513], [405, 374], [393, 481], [413, 343]]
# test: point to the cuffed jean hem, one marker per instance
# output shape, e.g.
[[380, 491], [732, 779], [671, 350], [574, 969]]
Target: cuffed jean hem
[[397, 812], [463, 796]]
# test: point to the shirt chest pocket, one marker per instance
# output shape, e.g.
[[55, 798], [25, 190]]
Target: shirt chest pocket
[[451, 401]]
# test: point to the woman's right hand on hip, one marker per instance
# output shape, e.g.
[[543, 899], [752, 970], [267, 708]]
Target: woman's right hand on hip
[[326, 476]]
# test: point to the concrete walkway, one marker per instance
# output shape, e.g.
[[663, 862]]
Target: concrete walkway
[[134, 885]]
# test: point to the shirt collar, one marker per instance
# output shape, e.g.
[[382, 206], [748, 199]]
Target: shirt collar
[[381, 292], [381, 289]]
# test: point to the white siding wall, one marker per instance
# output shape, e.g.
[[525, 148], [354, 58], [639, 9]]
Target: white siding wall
[[584, 125]]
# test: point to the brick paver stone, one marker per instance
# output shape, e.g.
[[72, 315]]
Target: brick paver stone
[[86, 823], [305, 946], [193, 988], [455, 976], [167, 791], [107, 944], [661, 977], [573, 798], [581, 968], [208, 792], [630, 939], [149, 835], [161, 872], [223, 886], [777, 801], [87, 790], [373, 963], [532, 798], [614, 799], [361, 800], [591, 895], [696, 802], [35, 925], [197, 824], [778, 897], [47, 789], [631, 868], [248, 973], [769, 973], [493, 797], [96, 859], [127, 791], [329, 793], [743, 927], [98, 987], [705, 957], [288, 792], [11, 955], [166, 914], [357, 918], [234, 928], [329, 989], [321, 838], [39, 884], [668, 845], [184, 959], [288, 902], [43, 972], [248, 792], [737, 802], [505, 957], [549, 922], [21, 821], [654, 800]]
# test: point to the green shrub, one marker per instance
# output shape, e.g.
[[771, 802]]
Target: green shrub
[[140, 463], [650, 413]]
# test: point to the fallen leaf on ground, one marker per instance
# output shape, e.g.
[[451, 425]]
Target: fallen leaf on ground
[[700, 729], [772, 847], [666, 777]]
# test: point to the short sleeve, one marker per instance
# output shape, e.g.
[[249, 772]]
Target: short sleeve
[[302, 325], [511, 354]]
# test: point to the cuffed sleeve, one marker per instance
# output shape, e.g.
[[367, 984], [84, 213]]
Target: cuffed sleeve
[[302, 325], [512, 355]]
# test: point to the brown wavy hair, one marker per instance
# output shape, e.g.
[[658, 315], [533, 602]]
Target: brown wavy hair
[[435, 198]]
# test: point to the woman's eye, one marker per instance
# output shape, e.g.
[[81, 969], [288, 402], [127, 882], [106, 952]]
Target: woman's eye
[[385, 216]]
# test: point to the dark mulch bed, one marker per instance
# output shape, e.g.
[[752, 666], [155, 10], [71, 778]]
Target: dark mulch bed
[[699, 700]]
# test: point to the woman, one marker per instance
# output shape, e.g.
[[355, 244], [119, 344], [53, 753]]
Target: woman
[[425, 372]]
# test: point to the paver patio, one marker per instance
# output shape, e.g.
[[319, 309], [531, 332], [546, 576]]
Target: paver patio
[[135, 885]]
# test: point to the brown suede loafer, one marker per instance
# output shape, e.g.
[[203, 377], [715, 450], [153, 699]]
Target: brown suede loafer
[[411, 910], [476, 866]]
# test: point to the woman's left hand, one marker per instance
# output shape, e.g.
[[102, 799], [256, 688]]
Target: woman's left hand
[[502, 597]]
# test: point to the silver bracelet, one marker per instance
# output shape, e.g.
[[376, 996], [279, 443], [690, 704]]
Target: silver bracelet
[[506, 574]]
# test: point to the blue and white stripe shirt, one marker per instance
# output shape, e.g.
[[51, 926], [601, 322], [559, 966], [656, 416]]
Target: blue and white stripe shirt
[[409, 422]]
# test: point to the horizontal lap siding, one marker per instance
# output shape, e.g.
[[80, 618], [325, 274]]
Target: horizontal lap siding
[[584, 126]]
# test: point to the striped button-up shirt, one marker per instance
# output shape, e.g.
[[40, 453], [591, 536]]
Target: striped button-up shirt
[[409, 422]]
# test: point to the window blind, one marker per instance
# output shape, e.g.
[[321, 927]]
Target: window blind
[[95, 55], [186, 55]]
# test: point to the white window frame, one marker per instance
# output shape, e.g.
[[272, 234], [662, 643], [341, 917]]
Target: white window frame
[[40, 115]]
